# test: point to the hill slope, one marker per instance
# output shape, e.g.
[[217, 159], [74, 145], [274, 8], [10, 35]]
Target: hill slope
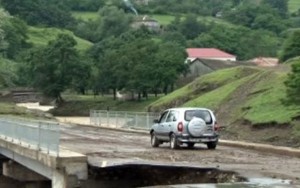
[[243, 98], [294, 5], [41, 37]]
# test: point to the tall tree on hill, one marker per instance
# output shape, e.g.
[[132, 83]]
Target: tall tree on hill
[[13, 35], [257, 17], [291, 47], [113, 22], [170, 60], [190, 27], [52, 68]]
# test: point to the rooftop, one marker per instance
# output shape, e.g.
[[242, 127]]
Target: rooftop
[[208, 53]]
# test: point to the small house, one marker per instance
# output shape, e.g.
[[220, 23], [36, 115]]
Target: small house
[[150, 23], [266, 61]]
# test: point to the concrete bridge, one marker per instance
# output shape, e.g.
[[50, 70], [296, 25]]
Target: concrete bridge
[[30, 152]]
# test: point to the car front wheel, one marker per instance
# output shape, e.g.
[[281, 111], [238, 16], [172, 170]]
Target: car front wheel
[[154, 140], [173, 142]]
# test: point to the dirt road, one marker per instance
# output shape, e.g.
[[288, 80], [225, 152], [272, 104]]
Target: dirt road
[[107, 147]]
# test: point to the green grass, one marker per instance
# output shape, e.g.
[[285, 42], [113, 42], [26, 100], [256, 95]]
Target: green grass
[[201, 86], [266, 105], [12, 109], [163, 19], [215, 98], [9, 109], [294, 5], [80, 105], [209, 19], [86, 16], [41, 37]]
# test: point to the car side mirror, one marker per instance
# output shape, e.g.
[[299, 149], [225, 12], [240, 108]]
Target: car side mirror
[[155, 121]]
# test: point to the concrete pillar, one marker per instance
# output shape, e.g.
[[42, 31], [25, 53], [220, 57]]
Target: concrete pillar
[[18, 172], [62, 180]]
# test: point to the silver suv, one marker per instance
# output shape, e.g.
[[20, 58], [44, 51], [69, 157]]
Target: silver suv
[[185, 126]]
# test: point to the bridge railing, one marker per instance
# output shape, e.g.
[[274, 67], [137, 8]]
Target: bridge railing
[[39, 135], [122, 119]]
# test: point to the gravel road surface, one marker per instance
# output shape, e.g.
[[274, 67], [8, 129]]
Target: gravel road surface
[[110, 147]]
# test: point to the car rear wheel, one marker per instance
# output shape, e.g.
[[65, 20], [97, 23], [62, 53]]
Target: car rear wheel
[[211, 145], [173, 142], [191, 145], [154, 140]]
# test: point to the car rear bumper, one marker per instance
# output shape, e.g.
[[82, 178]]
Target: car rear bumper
[[203, 139]]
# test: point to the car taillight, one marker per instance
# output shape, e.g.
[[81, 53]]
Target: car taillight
[[180, 127], [216, 127]]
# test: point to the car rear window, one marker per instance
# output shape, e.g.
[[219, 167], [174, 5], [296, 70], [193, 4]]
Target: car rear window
[[203, 114]]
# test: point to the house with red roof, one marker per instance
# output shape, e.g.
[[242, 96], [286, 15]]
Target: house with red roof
[[209, 53]]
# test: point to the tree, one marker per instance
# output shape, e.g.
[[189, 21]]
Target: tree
[[4, 17], [293, 83], [52, 68], [257, 43], [291, 47], [113, 22], [190, 27], [175, 37], [40, 12], [15, 34], [257, 17], [269, 22], [81, 76], [104, 56], [241, 41], [280, 5], [170, 65]]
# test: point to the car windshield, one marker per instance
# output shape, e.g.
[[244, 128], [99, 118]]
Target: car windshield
[[203, 114]]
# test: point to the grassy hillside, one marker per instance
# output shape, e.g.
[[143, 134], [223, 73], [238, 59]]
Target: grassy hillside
[[41, 36], [294, 5], [247, 101], [265, 104], [253, 94], [203, 85]]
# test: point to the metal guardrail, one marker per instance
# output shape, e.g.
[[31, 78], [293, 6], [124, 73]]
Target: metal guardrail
[[121, 119], [39, 135]]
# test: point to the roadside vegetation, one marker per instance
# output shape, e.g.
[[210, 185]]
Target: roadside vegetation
[[80, 105]]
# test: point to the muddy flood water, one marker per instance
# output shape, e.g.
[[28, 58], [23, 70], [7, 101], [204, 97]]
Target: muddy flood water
[[159, 176]]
